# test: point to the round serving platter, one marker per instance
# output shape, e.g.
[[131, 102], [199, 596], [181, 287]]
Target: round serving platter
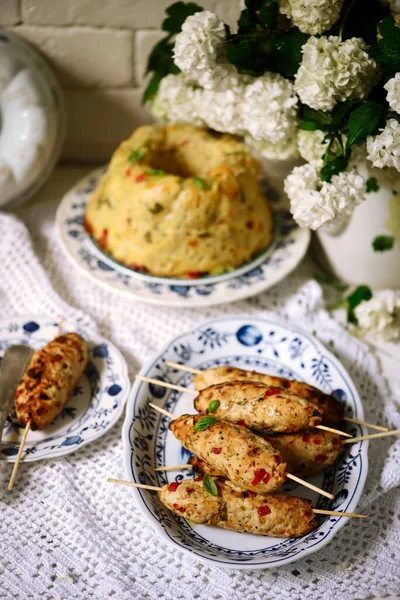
[[249, 343], [288, 248], [97, 401]]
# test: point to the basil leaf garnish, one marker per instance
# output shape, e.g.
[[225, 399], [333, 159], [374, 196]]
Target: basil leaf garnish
[[204, 423], [209, 485]]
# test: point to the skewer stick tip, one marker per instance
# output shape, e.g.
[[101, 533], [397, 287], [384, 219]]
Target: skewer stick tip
[[19, 455], [310, 486], [332, 430], [372, 436]]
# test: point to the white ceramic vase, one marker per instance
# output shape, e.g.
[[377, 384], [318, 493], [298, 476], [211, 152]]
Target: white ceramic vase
[[347, 252]]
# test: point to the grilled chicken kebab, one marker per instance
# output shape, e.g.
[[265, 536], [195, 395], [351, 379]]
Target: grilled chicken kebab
[[332, 410], [278, 515], [50, 379], [304, 453], [249, 461], [259, 406]]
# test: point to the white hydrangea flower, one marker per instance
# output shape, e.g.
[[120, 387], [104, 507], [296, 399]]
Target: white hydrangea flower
[[269, 108], [332, 70], [199, 47], [384, 149], [284, 150], [176, 101], [393, 92], [311, 17], [222, 110], [380, 316], [311, 146], [314, 203]]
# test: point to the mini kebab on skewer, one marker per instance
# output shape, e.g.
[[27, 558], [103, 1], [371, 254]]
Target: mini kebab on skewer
[[216, 503], [48, 382], [248, 460], [333, 411], [255, 405]]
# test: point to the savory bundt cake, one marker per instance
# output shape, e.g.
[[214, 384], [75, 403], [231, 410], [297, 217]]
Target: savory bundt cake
[[179, 201]]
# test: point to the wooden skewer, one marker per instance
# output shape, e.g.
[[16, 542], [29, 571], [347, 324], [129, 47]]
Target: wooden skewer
[[332, 430], [180, 367], [372, 436], [370, 425], [179, 388], [137, 485], [288, 475], [317, 511], [165, 384], [337, 513], [60, 326], [18, 459], [174, 468]]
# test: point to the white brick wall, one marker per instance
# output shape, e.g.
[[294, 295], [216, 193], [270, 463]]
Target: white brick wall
[[98, 49]]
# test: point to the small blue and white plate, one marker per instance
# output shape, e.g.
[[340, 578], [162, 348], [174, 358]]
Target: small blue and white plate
[[95, 406], [286, 251], [249, 343]]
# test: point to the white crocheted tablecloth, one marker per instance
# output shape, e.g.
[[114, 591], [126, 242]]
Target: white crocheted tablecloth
[[67, 534]]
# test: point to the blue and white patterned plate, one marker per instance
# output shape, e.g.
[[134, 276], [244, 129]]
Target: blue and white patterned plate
[[289, 246], [96, 404], [266, 346]]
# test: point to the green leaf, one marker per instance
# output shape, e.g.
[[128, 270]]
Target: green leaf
[[363, 121], [382, 243], [177, 15], [152, 87], [341, 110], [200, 183], [371, 185], [247, 22], [317, 116], [157, 172], [289, 56], [160, 55], [355, 298], [333, 167], [253, 5], [204, 423], [209, 485], [136, 155], [307, 125], [269, 14], [213, 406]]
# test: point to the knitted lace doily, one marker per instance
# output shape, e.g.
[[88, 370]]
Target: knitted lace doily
[[65, 533]]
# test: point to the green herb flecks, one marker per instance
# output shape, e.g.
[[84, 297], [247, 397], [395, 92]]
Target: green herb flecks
[[147, 237], [156, 172], [204, 423], [209, 485], [213, 406], [205, 235], [136, 155], [354, 299], [200, 183], [382, 243], [371, 185], [104, 202], [157, 208]]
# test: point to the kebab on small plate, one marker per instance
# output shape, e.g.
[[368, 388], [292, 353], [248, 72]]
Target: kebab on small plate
[[47, 384]]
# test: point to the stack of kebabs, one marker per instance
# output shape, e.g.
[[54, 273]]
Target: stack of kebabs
[[252, 432]]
